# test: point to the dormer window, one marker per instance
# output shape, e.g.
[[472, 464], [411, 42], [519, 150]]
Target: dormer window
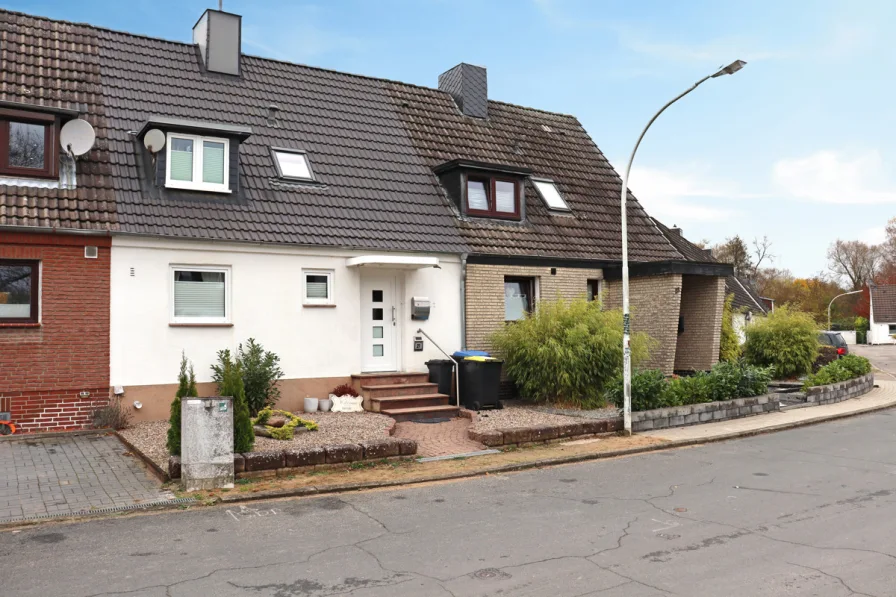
[[197, 163], [28, 144], [292, 164], [548, 192], [493, 197]]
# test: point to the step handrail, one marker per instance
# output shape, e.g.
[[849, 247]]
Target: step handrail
[[451, 358]]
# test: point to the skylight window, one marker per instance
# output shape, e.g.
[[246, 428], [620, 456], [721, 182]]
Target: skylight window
[[292, 164], [550, 195]]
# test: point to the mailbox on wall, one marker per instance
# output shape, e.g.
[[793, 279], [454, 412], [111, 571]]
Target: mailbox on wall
[[420, 306]]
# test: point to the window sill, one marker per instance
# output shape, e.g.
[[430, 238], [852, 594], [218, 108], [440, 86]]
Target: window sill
[[198, 188], [20, 325], [316, 306], [200, 325]]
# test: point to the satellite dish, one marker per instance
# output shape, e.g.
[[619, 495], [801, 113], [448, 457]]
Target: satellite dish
[[154, 139], [77, 137]]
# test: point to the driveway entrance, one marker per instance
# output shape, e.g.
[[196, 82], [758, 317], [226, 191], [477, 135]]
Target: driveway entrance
[[882, 356], [71, 474]]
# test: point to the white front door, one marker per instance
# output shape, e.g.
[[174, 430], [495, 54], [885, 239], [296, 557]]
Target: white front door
[[379, 321]]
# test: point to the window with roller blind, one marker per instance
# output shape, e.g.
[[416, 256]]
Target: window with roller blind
[[317, 287], [200, 295], [197, 163], [493, 197]]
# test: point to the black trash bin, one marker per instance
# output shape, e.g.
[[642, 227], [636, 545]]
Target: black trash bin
[[441, 372], [480, 383]]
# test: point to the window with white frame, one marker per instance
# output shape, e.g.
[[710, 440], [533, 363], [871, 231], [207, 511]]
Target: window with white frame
[[317, 287], [548, 192], [197, 163], [200, 294]]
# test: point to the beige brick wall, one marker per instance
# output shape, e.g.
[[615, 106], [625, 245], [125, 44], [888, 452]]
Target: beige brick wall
[[485, 294], [654, 302], [702, 299]]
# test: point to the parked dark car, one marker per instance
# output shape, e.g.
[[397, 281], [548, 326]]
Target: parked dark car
[[836, 340]]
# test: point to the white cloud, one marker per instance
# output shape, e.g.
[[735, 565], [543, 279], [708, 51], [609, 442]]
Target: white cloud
[[684, 194], [874, 236], [836, 177]]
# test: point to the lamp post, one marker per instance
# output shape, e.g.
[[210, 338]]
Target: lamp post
[[832, 302], [626, 319]]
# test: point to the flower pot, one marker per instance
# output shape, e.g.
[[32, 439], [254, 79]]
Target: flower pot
[[325, 404], [311, 405]]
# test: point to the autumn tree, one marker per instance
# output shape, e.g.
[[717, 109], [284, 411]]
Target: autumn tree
[[854, 262], [736, 252]]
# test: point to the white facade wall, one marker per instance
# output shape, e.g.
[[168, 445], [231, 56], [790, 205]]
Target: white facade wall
[[266, 304], [879, 333]]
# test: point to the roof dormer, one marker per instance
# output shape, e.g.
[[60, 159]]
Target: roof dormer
[[485, 190]]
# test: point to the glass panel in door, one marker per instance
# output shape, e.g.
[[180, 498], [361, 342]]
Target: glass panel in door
[[378, 322]]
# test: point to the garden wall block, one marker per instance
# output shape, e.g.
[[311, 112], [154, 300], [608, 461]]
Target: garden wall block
[[344, 453], [239, 463], [376, 449], [682, 416], [305, 456], [545, 433], [488, 438], [263, 461], [841, 391], [407, 447]]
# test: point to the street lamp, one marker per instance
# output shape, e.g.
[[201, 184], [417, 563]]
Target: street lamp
[[626, 319], [832, 302]]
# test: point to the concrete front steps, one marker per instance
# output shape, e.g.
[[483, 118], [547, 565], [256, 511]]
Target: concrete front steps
[[403, 396]]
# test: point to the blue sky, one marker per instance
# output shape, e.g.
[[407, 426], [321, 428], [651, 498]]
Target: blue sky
[[797, 146]]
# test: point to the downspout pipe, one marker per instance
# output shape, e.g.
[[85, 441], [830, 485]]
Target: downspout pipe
[[463, 301]]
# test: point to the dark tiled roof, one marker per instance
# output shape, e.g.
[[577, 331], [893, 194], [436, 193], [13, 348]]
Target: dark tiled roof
[[516, 136], [372, 144], [744, 294], [55, 64], [883, 301]]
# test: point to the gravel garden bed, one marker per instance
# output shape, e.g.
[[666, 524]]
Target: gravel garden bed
[[333, 428], [525, 415]]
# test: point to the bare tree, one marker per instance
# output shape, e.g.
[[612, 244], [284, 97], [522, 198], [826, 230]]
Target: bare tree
[[761, 252], [854, 261], [734, 251], [889, 245]]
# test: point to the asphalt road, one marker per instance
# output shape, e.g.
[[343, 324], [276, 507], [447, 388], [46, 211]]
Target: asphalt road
[[804, 512], [882, 356]]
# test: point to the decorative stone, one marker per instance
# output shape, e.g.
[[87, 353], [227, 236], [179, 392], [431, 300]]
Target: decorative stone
[[261, 431], [344, 453], [381, 448], [263, 461], [305, 456], [347, 404], [276, 421], [174, 467]]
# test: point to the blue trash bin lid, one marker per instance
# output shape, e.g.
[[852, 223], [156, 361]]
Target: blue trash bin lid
[[461, 354]]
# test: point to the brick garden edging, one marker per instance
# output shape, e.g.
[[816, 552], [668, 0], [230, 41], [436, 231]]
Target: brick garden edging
[[838, 392], [292, 460], [705, 412], [545, 433]]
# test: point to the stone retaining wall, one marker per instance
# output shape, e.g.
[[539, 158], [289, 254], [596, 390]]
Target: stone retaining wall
[[706, 412], [545, 433], [838, 392], [285, 462]]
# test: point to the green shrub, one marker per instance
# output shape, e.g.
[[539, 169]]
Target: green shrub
[[566, 352], [754, 380], [186, 387], [691, 389], [856, 365], [729, 345], [785, 340], [862, 326], [261, 372], [849, 367], [648, 390], [231, 384], [288, 430]]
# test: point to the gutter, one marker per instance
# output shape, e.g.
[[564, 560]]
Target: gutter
[[463, 301], [51, 230]]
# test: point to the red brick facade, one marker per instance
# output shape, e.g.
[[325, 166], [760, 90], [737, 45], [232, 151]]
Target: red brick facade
[[46, 368]]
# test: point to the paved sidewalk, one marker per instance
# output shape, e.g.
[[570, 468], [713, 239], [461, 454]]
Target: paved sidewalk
[[71, 474], [881, 397], [439, 439]]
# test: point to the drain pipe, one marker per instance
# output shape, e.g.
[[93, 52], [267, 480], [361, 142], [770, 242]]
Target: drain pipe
[[450, 358], [463, 301]]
